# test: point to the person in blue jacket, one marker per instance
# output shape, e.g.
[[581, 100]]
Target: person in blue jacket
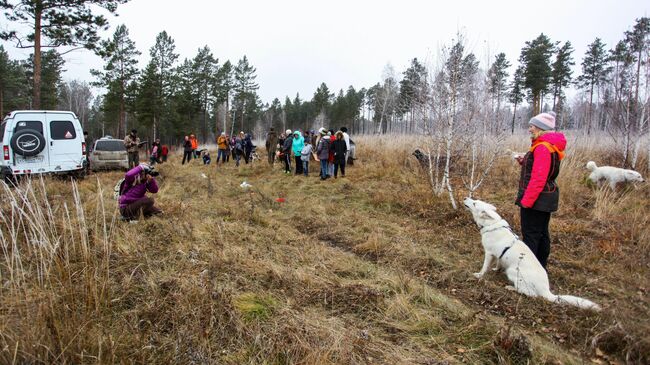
[[297, 145]]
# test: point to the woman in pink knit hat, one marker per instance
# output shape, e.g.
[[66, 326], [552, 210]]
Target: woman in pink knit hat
[[538, 193]]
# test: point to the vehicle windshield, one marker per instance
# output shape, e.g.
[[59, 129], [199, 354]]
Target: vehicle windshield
[[110, 146]]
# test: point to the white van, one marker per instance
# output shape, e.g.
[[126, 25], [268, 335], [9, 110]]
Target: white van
[[42, 141]]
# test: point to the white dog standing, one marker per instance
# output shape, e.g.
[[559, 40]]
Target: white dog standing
[[611, 175], [514, 257]]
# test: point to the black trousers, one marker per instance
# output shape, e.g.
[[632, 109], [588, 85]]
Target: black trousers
[[298, 161], [188, 155], [339, 163], [287, 162], [534, 229]]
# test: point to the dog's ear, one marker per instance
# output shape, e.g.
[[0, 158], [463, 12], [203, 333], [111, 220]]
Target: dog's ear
[[489, 213]]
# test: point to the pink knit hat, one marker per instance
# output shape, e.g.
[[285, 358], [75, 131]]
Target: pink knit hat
[[544, 121]]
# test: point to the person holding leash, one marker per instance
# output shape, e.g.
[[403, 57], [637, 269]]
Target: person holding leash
[[538, 193]]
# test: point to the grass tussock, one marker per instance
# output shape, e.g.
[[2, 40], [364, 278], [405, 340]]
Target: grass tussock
[[370, 268]]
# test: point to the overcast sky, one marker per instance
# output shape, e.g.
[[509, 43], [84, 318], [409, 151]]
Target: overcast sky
[[297, 44]]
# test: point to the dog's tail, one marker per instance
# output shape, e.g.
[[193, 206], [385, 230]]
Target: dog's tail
[[572, 300], [591, 166]]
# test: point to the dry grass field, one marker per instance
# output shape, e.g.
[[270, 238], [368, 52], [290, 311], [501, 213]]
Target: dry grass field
[[367, 269]]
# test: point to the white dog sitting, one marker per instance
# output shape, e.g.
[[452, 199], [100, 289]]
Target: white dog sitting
[[514, 257], [611, 175]]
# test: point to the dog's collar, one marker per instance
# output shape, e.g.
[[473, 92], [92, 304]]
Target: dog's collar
[[493, 227]]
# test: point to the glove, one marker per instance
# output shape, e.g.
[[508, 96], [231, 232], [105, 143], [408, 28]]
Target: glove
[[145, 168]]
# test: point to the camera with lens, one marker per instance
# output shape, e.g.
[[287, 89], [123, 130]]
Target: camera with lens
[[148, 170]]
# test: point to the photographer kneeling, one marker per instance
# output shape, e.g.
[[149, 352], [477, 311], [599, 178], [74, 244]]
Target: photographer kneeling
[[133, 200]]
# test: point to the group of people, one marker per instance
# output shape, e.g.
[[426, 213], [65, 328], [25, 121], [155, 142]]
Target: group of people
[[328, 147], [190, 147], [239, 146], [132, 143]]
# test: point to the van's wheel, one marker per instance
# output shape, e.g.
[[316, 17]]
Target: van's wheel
[[79, 174], [27, 142], [9, 179]]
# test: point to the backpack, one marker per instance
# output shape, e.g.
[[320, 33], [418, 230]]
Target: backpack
[[118, 189]]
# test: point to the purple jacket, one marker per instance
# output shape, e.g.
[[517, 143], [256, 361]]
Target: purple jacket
[[135, 192]]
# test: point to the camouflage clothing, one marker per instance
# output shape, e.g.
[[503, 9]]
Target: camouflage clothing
[[131, 143]]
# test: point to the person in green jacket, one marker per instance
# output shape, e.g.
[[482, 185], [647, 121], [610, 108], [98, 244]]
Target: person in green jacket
[[297, 145]]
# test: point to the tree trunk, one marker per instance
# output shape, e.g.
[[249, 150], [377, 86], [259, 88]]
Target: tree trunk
[[638, 76], [514, 114], [591, 100], [225, 126], [243, 114], [122, 124], [498, 117], [36, 103]]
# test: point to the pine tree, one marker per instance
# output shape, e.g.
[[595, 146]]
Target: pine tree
[[516, 94], [594, 72], [245, 90], [322, 99], [204, 69], [120, 70], [51, 70], [185, 98], [638, 41], [55, 23], [224, 83], [276, 114], [621, 60], [537, 73], [14, 91], [497, 78], [561, 77], [163, 56], [413, 90], [147, 102], [561, 74]]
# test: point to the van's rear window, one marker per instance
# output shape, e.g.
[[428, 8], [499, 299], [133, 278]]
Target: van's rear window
[[29, 124], [112, 146], [62, 129]]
